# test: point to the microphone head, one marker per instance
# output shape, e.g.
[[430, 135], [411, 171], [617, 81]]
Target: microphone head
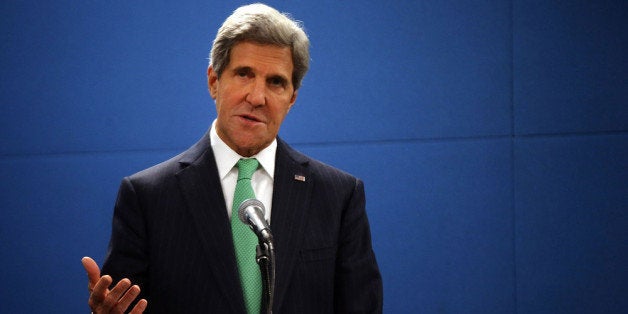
[[254, 203]]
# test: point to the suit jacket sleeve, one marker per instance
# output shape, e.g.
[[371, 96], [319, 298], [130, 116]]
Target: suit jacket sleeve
[[127, 255]]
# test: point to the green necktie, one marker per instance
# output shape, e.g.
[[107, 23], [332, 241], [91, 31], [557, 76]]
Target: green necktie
[[245, 240]]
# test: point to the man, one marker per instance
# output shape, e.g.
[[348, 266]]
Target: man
[[172, 226]]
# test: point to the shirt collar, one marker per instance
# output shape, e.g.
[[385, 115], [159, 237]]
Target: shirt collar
[[226, 158]]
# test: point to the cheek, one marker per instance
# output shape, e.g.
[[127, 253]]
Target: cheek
[[217, 103], [280, 116], [283, 108], [223, 103]]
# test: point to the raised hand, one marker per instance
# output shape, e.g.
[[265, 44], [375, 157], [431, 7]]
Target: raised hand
[[116, 300]]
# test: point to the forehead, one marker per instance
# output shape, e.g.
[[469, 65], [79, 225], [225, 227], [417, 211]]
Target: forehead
[[269, 59]]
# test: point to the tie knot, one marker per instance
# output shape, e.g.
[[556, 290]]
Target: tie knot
[[246, 168]]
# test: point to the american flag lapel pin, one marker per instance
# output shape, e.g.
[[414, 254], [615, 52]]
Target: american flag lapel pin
[[299, 177]]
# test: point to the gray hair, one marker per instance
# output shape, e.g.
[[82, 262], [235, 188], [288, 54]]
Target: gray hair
[[262, 24]]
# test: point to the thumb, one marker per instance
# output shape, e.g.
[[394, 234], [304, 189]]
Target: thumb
[[93, 271]]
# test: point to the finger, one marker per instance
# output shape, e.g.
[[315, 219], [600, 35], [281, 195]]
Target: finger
[[93, 271], [100, 291], [128, 297], [116, 293], [139, 307]]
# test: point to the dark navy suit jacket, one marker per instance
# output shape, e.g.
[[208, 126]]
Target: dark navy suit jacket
[[171, 235]]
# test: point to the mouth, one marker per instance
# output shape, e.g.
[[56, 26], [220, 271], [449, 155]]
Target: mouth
[[250, 118]]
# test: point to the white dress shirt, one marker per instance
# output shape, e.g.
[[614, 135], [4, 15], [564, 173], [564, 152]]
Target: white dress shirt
[[262, 180]]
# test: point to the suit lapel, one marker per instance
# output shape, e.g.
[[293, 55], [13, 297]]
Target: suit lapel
[[201, 189], [291, 197]]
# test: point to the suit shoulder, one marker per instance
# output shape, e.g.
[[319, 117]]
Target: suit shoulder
[[323, 170], [166, 170], [157, 173], [329, 170]]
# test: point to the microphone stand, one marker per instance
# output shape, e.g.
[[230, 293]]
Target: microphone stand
[[266, 260]]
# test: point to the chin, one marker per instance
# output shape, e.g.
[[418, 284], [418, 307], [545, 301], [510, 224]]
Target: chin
[[249, 148]]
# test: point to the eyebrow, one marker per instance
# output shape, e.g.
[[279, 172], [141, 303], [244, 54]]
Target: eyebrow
[[242, 68]]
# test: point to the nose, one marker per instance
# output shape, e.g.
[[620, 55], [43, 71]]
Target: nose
[[257, 93]]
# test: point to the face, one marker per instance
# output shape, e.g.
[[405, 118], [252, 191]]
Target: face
[[253, 95]]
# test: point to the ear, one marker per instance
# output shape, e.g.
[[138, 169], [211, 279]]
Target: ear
[[293, 99], [212, 81]]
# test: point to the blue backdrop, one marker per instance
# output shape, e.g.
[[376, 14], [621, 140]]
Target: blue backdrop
[[492, 137]]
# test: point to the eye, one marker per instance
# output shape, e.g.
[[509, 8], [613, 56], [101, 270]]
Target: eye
[[277, 81], [242, 72]]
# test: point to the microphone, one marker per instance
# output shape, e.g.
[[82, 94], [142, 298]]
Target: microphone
[[251, 212]]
